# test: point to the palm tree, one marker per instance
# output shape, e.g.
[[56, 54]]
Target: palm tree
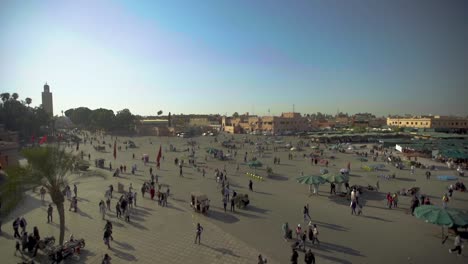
[[49, 166], [160, 112], [5, 96], [28, 101], [15, 96]]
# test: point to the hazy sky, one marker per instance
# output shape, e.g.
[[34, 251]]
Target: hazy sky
[[223, 56]]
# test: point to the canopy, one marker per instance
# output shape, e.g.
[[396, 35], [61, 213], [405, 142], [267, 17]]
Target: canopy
[[443, 217], [212, 151], [311, 179], [255, 164], [335, 178]]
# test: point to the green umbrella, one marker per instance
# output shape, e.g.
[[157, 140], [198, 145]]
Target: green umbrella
[[212, 151], [335, 178], [255, 164], [443, 217], [311, 180], [440, 216]]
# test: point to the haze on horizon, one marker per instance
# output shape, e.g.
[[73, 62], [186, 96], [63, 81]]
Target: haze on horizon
[[247, 56]]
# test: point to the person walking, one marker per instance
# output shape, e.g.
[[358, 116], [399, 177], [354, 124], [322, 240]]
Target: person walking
[[102, 209], [117, 210], [309, 257], [23, 224], [15, 228], [353, 207], [198, 231], [50, 209], [107, 258], [232, 205], [224, 203], [428, 175], [458, 245], [17, 248], [285, 228], [332, 188], [108, 204], [298, 231], [111, 189], [294, 256], [306, 213], [43, 192], [250, 185], [106, 238], [75, 190], [412, 169], [445, 200], [315, 232]]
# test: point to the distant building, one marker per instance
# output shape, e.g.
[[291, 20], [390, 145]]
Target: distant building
[[435, 122], [47, 102], [153, 127], [287, 122]]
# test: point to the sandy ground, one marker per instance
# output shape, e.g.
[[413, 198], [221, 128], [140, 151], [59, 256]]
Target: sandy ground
[[380, 235]]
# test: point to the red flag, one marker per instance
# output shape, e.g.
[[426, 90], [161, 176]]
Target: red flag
[[115, 149], [43, 140], [159, 156]]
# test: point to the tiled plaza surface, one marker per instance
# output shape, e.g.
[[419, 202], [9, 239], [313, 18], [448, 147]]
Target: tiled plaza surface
[[165, 235]]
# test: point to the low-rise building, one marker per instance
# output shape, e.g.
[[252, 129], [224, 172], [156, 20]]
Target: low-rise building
[[435, 122], [287, 122]]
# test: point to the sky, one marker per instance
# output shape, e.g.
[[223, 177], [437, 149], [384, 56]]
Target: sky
[[220, 56]]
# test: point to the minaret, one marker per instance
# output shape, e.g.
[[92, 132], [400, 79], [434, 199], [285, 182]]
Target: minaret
[[47, 100]]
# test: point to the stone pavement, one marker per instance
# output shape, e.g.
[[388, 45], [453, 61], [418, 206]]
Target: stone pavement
[[155, 234]]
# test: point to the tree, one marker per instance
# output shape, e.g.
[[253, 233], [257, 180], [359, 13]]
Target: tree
[[15, 96], [28, 101], [49, 166], [235, 115], [124, 120], [160, 112], [5, 96]]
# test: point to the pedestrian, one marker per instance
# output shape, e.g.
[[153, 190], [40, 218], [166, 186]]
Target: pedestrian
[[306, 213], [23, 224], [332, 188], [102, 209], [134, 198], [107, 258], [108, 204], [250, 185], [49, 213], [17, 248], [412, 169], [36, 233], [316, 232], [198, 231], [395, 200], [130, 188], [15, 228], [117, 210], [428, 175], [377, 186], [75, 190], [143, 189], [232, 205], [43, 192], [106, 238], [353, 207], [458, 245], [152, 192], [224, 203], [203, 172], [127, 214], [445, 200], [298, 231], [285, 229], [309, 257], [294, 256], [304, 239], [261, 260]]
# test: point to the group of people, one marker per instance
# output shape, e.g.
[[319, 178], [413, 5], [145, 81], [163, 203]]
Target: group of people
[[27, 242]]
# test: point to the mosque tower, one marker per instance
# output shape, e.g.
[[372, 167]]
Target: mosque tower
[[47, 103]]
